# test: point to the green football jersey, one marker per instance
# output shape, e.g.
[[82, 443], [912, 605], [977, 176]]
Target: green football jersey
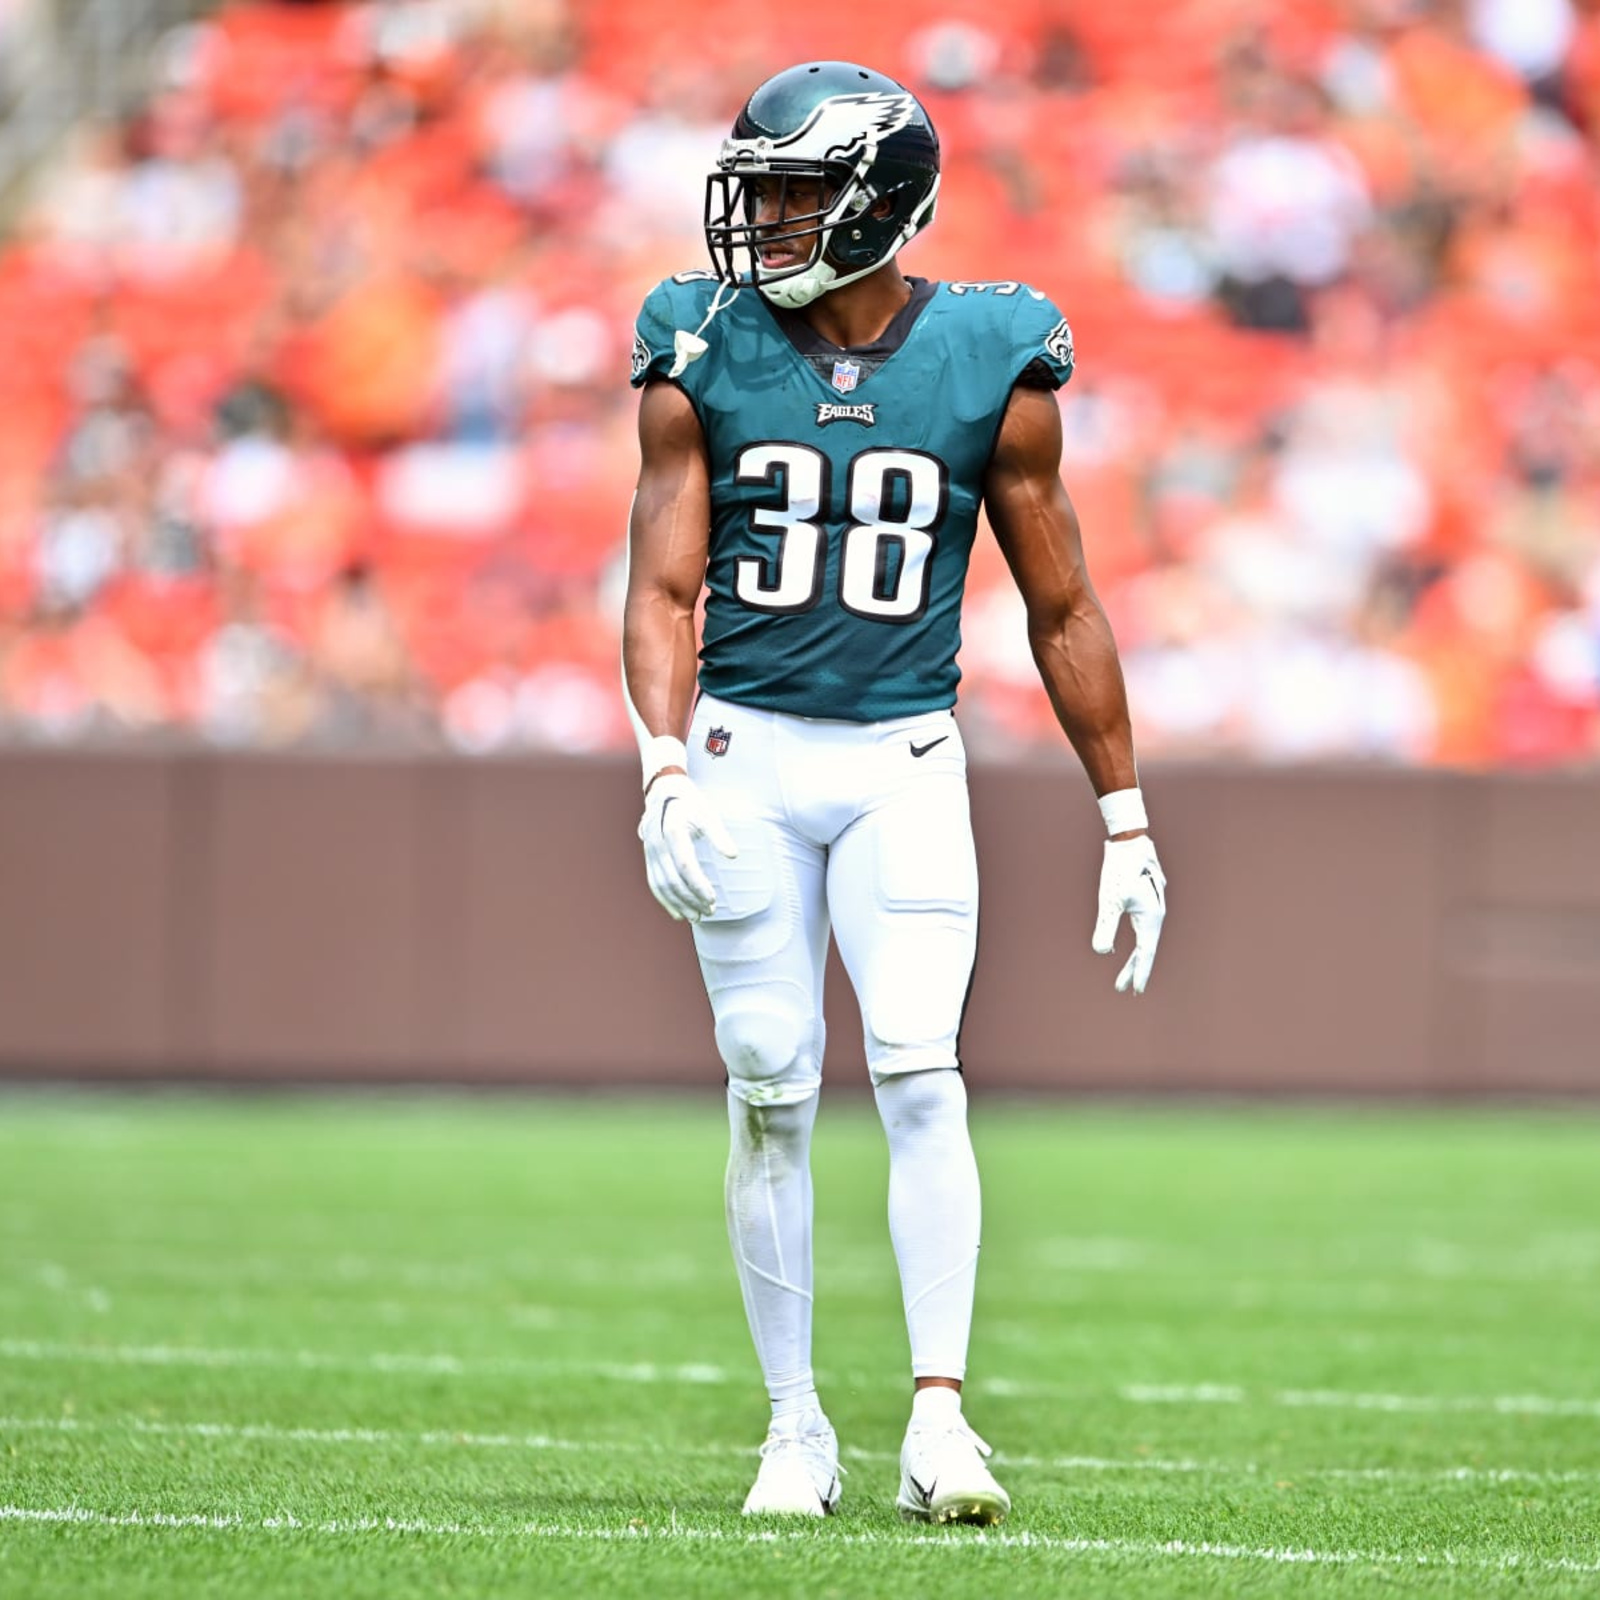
[[845, 485]]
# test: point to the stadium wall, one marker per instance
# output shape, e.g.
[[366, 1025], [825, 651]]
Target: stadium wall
[[194, 915]]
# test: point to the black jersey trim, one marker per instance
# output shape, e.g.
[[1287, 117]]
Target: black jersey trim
[[821, 354], [966, 998], [1037, 375]]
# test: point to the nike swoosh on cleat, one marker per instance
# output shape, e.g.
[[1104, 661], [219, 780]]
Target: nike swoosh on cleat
[[923, 749], [927, 1494]]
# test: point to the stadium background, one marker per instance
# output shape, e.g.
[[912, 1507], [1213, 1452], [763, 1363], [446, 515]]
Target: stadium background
[[315, 447], [315, 433], [316, 460]]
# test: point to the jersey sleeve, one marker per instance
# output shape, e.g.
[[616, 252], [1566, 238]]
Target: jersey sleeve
[[653, 351], [676, 305], [1041, 342]]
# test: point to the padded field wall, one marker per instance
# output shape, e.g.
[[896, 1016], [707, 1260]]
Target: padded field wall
[[197, 915]]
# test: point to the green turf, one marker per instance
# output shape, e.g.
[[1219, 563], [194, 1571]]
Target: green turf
[[402, 1347]]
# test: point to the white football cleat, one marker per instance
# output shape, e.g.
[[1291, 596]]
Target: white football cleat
[[800, 1469], [943, 1477]]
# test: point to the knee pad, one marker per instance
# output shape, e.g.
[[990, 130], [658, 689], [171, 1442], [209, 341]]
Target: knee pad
[[769, 1050]]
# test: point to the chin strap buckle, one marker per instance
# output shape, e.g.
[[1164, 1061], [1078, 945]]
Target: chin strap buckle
[[690, 346]]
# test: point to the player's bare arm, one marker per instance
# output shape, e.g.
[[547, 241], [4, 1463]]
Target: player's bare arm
[[668, 540], [1037, 531]]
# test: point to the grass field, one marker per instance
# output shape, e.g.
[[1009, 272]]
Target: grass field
[[400, 1347]]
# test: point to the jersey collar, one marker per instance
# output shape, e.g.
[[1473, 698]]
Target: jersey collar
[[822, 355]]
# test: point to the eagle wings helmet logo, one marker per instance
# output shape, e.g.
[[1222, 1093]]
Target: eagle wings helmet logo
[[845, 126]]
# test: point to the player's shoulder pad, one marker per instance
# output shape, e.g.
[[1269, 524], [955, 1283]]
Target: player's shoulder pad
[[676, 304], [1021, 320]]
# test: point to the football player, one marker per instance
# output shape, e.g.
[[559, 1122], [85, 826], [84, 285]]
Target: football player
[[817, 431]]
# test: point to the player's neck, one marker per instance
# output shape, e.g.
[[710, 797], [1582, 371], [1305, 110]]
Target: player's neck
[[859, 313]]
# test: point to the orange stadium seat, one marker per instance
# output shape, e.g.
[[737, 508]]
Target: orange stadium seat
[[269, 54], [341, 302]]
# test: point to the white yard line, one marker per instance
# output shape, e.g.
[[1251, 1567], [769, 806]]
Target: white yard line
[[431, 1364], [674, 1532], [466, 1439], [694, 1372], [1147, 1394], [273, 1433], [1537, 1405]]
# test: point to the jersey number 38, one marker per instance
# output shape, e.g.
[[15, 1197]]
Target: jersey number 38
[[896, 502]]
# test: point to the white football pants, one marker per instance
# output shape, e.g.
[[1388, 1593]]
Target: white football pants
[[864, 826]]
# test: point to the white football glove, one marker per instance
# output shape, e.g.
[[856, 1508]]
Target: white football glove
[[1131, 880], [676, 813]]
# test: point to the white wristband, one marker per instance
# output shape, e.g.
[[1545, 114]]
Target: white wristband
[[1124, 811], [662, 751]]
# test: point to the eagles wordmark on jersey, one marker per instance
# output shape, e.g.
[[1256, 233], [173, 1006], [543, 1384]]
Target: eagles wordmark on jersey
[[845, 485]]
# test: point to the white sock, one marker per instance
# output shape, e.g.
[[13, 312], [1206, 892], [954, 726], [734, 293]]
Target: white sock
[[935, 1214], [797, 1413], [768, 1194], [802, 1414], [935, 1407]]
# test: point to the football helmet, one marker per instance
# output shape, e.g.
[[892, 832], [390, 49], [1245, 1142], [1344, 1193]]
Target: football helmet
[[868, 157]]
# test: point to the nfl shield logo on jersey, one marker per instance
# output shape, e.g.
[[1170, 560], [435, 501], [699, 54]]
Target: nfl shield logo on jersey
[[718, 740], [845, 375]]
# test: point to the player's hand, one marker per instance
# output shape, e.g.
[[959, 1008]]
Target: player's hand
[[676, 813], [1131, 881]]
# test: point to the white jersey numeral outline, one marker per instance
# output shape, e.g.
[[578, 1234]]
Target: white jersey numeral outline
[[791, 579], [897, 502], [918, 484]]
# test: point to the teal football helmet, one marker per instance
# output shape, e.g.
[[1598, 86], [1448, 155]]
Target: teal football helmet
[[859, 142]]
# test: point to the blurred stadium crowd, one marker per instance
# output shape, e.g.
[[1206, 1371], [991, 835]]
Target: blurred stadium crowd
[[317, 427]]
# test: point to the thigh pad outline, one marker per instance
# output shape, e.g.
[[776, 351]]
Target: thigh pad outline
[[922, 851], [755, 916]]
